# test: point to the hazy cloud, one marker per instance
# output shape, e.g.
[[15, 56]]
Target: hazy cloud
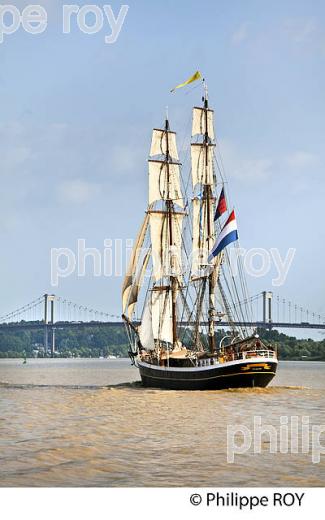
[[77, 191], [123, 158], [240, 34], [301, 30], [244, 168], [301, 159]]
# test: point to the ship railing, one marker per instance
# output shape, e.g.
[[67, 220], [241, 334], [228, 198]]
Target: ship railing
[[235, 356], [256, 353]]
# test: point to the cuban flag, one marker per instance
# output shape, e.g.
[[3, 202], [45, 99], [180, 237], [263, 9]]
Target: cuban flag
[[227, 235], [222, 205]]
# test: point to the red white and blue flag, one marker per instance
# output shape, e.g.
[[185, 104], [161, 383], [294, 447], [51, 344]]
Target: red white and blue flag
[[227, 235], [222, 205]]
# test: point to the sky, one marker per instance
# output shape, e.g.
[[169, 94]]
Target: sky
[[75, 127]]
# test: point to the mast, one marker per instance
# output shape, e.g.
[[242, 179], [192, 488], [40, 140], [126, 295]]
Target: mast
[[203, 206], [208, 196], [165, 232], [169, 205]]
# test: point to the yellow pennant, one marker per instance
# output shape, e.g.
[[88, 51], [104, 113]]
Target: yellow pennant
[[195, 76]]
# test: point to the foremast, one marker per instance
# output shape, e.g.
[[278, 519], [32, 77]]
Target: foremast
[[170, 211], [166, 217]]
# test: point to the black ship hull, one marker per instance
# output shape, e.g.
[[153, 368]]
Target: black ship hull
[[234, 374]]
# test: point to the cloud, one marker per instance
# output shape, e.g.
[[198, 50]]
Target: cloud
[[77, 191], [240, 34], [254, 169], [250, 168], [301, 30], [42, 165], [123, 158], [14, 149], [244, 168], [300, 160], [14, 157]]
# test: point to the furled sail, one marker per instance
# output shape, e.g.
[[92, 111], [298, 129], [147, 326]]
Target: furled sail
[[137, 284], [217, 268], [159, 144], [166, 253], [215, 277], [159, 188], [202, 241], [145, 329], [199, 122], [202, 164], [132, 267], [161, 309]]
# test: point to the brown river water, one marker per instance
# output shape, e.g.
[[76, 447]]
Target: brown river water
[[90, 423]]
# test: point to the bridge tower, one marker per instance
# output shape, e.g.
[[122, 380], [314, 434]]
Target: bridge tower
[[267, 306], [49, 323]]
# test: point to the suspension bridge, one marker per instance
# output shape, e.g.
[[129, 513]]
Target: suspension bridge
[[50, 312]]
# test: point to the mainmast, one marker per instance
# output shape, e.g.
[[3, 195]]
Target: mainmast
[[203, 211], [208, 195]]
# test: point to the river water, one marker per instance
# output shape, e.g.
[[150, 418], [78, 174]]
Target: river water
[[90, 423]]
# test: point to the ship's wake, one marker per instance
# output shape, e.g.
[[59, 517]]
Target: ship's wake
[[137, 385], [32, 386]]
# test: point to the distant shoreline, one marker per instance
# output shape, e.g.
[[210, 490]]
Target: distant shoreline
[[103, 343], [309, 360]]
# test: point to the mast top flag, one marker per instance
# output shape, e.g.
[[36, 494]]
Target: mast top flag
[[195, 77]]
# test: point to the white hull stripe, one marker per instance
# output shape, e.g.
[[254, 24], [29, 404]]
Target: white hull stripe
[[210, 367]]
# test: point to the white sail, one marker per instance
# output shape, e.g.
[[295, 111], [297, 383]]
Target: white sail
[[166, 257], [159, 144], [145, 329], [202, 241], [202, 164], [199, 123], [159, 188], [128, 280], [162, 320], [136, 286]]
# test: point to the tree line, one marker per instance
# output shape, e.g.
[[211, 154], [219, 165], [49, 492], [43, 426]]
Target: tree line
[[102, 341]]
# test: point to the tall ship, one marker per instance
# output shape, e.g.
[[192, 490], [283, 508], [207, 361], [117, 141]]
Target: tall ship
[[183, 284]]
